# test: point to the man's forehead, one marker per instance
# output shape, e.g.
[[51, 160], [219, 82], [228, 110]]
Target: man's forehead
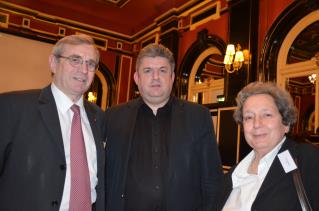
[[158, 61], [79, 49]]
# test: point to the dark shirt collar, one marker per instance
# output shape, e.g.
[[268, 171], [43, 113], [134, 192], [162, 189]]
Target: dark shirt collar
[[165, 109]]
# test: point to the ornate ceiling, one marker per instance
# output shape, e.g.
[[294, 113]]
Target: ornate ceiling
[[125, 17]]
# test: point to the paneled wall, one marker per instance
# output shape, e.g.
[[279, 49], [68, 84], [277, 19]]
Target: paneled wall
[[24, 63]]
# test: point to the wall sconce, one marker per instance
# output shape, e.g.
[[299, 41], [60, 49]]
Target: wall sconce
[[234, 58]]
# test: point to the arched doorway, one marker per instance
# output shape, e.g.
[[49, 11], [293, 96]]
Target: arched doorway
[[206, 80], [290, 55], [295, 64], [201, 75]]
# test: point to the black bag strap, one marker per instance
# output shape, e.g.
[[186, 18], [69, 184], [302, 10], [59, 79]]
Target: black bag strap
[[303, 199]]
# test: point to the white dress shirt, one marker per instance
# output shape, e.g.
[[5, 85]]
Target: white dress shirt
[[245, 185], [64, 104]]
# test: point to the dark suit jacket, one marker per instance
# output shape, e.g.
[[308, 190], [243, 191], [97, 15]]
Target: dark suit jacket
[[194, 173], [32, 160], [278, 193]]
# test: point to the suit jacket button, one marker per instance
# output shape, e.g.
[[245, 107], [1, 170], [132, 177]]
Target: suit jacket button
[[54, 203], [62, 167], [123, 196]]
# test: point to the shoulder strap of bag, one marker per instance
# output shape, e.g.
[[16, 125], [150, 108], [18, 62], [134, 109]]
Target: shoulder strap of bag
[[303, 199]]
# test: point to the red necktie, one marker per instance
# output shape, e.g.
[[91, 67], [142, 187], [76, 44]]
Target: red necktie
[[80, 194]]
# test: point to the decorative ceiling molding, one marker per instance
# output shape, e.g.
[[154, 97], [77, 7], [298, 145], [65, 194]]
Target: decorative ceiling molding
[[34, 24], [118, 3]]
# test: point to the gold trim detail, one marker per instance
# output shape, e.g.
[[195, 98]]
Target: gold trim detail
[[215, 16], [4, 20]]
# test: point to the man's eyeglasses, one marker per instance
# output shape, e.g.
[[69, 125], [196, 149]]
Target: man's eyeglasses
[[77, 61]]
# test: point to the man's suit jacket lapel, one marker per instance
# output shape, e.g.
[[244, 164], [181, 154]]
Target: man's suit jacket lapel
[[178, 133], [130, 123], [177, 119], [49, 114], [91, 114]]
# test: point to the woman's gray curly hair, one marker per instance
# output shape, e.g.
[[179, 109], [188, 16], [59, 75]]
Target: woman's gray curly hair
[[282, 99]]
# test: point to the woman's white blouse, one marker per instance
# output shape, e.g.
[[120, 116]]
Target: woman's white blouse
[[245, 185]]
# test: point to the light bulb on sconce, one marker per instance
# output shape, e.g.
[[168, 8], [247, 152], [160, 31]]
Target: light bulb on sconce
[[92, 97], [312, 78], [234, 58]]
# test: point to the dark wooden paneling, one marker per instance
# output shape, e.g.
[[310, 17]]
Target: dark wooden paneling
[[243, 29]]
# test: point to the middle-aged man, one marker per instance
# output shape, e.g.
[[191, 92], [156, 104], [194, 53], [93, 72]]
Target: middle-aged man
[[51, 140], [161, 151]]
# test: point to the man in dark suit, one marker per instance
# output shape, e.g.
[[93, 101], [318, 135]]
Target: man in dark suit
[[36, 145], [161, 151]]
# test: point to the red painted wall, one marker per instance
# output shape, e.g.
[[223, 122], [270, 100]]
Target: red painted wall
[[269, 10], [217, 27]]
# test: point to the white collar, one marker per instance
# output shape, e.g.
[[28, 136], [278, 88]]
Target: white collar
[[63, 102], [241, 170]]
